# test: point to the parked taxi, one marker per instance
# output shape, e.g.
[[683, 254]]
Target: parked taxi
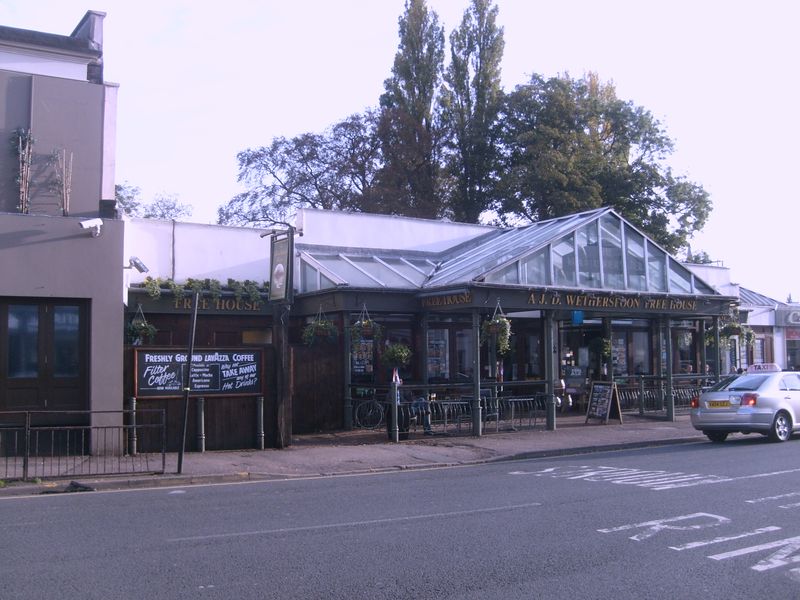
[[763, 400]]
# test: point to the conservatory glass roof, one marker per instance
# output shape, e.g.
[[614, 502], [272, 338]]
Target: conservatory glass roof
[[596, 249]]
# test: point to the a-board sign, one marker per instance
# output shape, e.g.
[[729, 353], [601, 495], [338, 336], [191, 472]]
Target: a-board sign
[[603, 400], [215, 372]]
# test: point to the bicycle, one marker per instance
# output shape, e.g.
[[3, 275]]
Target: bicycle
[[369, 414]]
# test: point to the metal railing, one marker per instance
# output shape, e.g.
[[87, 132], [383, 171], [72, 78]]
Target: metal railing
[[649, 394], [60, 444]]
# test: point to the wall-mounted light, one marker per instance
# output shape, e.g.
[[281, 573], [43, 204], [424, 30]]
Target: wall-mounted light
[[93, 225], [135, 263]]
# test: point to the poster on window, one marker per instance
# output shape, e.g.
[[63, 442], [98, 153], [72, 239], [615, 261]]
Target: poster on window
[[438, 353], [362, 357]]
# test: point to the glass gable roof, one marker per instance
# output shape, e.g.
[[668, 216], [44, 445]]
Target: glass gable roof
[[596, 249]]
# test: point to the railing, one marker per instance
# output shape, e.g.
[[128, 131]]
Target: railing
[[649, 394], [59, 444]]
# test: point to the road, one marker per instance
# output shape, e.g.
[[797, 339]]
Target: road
[[693, 521]]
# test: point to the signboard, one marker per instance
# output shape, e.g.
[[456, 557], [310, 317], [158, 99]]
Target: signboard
[[229, 372], [280, 267], [603, 399]]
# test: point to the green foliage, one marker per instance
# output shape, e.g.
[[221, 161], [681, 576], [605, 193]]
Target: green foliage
[[366, 329], [320, 330], [407, 181], [164, 206], [396, 355], [499, 329], [470, 104], [571, 145], [138, 331], [247, 289]]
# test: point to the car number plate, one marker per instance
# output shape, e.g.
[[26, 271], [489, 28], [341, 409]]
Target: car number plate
[[718, 404]]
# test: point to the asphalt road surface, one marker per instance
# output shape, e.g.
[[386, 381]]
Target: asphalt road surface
[[693, 521]]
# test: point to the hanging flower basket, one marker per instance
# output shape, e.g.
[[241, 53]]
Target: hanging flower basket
[[396, 356], [365, 328], [499, 328], [319, 331], [139, 331]]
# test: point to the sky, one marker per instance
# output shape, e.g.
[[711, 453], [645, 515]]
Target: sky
[[200, 82]]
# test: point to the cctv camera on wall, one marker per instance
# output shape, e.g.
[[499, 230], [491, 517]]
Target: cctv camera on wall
[[93, 224]]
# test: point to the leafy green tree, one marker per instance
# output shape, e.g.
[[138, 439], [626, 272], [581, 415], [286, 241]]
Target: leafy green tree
[[167, 207], [127, 198], [334, 170], [407, 180], [571, 145], [470, 104]]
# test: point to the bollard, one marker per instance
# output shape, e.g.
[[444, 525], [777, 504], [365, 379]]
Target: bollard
[[395, 429], [201, 425], [132, 441], [260, 422], [551, 413]]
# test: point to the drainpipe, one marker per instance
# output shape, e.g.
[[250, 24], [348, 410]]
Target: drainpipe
[[477, 421]]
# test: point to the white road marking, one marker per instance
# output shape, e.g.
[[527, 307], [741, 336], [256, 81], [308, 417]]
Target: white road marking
[[459, 513], [653, 527], [782, 557], [729, 538], [771, 498], [654, 480]]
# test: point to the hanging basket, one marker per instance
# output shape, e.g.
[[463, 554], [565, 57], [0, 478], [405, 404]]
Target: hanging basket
[[139, 331], [396, 356], [498, 328], [365, 329], [320, 330]]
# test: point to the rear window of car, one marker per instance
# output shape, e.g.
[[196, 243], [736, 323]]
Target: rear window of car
[[746, 383]]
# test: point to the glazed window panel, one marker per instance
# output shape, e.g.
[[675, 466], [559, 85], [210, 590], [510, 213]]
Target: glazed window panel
[[23, 341], [679, 279], [509, 274], [564, 261], [66, 341], [536, 268], [611, 235], [635, 260], [310, 282], [656, 271], [465, 347], [589, 256], [640, 352]]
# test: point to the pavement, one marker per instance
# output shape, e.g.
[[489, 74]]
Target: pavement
[[360, 451]]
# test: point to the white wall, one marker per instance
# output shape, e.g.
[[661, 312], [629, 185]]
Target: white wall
[[179, 251], [361, 230], [37, 63]]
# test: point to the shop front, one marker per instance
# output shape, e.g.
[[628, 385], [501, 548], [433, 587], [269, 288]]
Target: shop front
[[588, 297]]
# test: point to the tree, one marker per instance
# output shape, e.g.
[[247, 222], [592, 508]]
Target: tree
[[165, 206], [127, 197], [334, 170], [407, 181], [571, 145], [470, 104]]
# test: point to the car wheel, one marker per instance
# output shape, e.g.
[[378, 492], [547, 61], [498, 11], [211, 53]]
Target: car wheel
[[717, 436], [781, 429]]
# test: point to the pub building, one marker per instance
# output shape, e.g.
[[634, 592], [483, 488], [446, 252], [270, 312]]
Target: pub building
[[589, 297]]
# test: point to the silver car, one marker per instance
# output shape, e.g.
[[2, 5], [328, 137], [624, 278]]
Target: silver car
[[764, 400]]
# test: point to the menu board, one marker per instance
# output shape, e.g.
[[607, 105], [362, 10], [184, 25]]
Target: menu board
[[603, 399], [361, 357], [237, 372]]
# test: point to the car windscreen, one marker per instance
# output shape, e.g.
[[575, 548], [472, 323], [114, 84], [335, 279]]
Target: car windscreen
[[746, 383]]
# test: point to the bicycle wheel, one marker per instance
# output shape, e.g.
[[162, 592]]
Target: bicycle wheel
[[369, 415]]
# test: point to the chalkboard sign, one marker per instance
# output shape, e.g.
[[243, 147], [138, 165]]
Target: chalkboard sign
[[160, 373], [603, 399]]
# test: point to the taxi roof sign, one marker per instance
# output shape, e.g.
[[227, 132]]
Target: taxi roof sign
[[764, 368]]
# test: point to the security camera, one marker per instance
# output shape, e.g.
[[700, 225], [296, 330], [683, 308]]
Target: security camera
[[136, 263], [93, 224]]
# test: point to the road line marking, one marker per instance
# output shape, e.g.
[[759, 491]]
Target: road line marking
[[459, 513], [729, 538], [770, 498], [780, 558]]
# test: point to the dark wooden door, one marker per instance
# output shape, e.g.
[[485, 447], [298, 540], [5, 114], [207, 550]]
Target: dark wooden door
[[45, 355]]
